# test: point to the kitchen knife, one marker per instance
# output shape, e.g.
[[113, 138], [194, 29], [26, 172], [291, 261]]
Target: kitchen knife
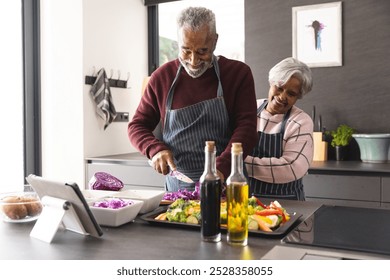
[[180, 176], [177, 174]]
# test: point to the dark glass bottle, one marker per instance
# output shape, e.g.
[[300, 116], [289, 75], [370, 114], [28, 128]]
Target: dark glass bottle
[[210, 197], [237, 191]]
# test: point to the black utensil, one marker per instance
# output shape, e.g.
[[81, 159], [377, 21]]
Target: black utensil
[[313, 115]]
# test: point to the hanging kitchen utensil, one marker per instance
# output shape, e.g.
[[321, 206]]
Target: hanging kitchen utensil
[[319, 123], [313, 116]]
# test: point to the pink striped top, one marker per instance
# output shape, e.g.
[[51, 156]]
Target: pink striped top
[[297, 147]]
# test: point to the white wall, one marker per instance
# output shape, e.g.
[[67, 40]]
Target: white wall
[[77, 36], [115, 37]]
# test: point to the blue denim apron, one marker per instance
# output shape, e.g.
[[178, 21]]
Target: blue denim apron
[[187, 129], [271, 145]]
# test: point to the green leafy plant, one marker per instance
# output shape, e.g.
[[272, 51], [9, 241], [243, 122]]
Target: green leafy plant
[[342, 136]]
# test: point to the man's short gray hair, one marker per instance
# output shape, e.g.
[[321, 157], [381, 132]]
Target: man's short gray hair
[[288, 67], [195, 18]]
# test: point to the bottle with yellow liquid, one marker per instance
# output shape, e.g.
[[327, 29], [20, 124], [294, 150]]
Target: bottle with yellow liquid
[[237, 194]]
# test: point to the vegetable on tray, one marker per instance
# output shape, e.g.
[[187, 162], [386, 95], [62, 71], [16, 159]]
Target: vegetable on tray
[[260, 216], [184, 211]]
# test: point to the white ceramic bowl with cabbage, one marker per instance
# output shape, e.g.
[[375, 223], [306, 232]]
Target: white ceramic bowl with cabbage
[[114, 212]]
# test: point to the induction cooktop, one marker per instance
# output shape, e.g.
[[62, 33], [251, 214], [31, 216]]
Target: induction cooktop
[[341, 227]]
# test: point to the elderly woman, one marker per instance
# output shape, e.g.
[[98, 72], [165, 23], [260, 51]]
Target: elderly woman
[[284, 150]]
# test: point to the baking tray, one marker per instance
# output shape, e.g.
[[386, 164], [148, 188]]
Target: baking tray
[[281, 230]]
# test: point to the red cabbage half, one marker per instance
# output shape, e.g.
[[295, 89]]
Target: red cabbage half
[[105, 181]]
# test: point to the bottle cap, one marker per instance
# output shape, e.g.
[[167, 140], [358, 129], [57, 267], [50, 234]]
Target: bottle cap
[[210, 146], [236, 148]]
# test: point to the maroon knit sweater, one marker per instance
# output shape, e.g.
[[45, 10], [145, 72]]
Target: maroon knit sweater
[[238, 92]]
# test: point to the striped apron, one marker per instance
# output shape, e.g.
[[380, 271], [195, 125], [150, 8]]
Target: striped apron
[[271, 145], [187, 129]]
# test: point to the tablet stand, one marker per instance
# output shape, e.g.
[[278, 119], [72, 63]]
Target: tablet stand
[[56, 213]]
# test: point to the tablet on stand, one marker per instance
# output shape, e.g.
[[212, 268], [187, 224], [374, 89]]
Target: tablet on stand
[[63, 206]]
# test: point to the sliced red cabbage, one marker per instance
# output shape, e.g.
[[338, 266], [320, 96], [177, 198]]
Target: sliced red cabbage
[[105, 181], [188, 194], [114, 203], [184, 193]]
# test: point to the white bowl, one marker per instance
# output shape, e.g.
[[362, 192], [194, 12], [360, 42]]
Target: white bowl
[[374, 147], [151, 198], [92, 195], [115, 217]]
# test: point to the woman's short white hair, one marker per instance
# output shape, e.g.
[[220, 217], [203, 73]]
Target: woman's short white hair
[[288, 67]]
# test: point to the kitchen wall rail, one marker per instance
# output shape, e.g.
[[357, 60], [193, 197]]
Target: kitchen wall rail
[[90, 80]]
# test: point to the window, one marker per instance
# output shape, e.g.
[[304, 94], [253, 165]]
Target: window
[[11, 150], [230, 27], [20, 149]]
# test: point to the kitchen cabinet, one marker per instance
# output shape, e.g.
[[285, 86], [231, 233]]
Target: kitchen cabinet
[[343, 190], [349, 183], [132, 169], [386, 192]]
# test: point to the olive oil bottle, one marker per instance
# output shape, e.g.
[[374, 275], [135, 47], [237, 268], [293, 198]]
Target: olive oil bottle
[[210, 197], [237, 194]]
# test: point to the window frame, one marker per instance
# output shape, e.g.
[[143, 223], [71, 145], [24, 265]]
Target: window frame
[[153, 39], [156, 2], [153, 34], [31, 87]]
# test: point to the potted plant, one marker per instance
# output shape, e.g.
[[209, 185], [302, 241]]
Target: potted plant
[[341, 137]]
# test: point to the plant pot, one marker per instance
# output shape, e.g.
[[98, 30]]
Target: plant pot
[[340, 152], [374, 147]]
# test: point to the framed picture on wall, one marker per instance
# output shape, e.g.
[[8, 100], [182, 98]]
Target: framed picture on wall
[[317, 34]]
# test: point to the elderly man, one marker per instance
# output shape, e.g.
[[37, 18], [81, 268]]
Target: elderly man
[[197, 97]]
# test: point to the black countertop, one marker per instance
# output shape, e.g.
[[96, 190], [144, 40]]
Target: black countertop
[[138, 240], [349, 168]]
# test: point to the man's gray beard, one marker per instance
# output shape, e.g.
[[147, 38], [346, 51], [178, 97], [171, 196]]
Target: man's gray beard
[[197, 73]]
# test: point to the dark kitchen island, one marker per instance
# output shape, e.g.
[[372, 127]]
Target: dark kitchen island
[[144, 241]]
